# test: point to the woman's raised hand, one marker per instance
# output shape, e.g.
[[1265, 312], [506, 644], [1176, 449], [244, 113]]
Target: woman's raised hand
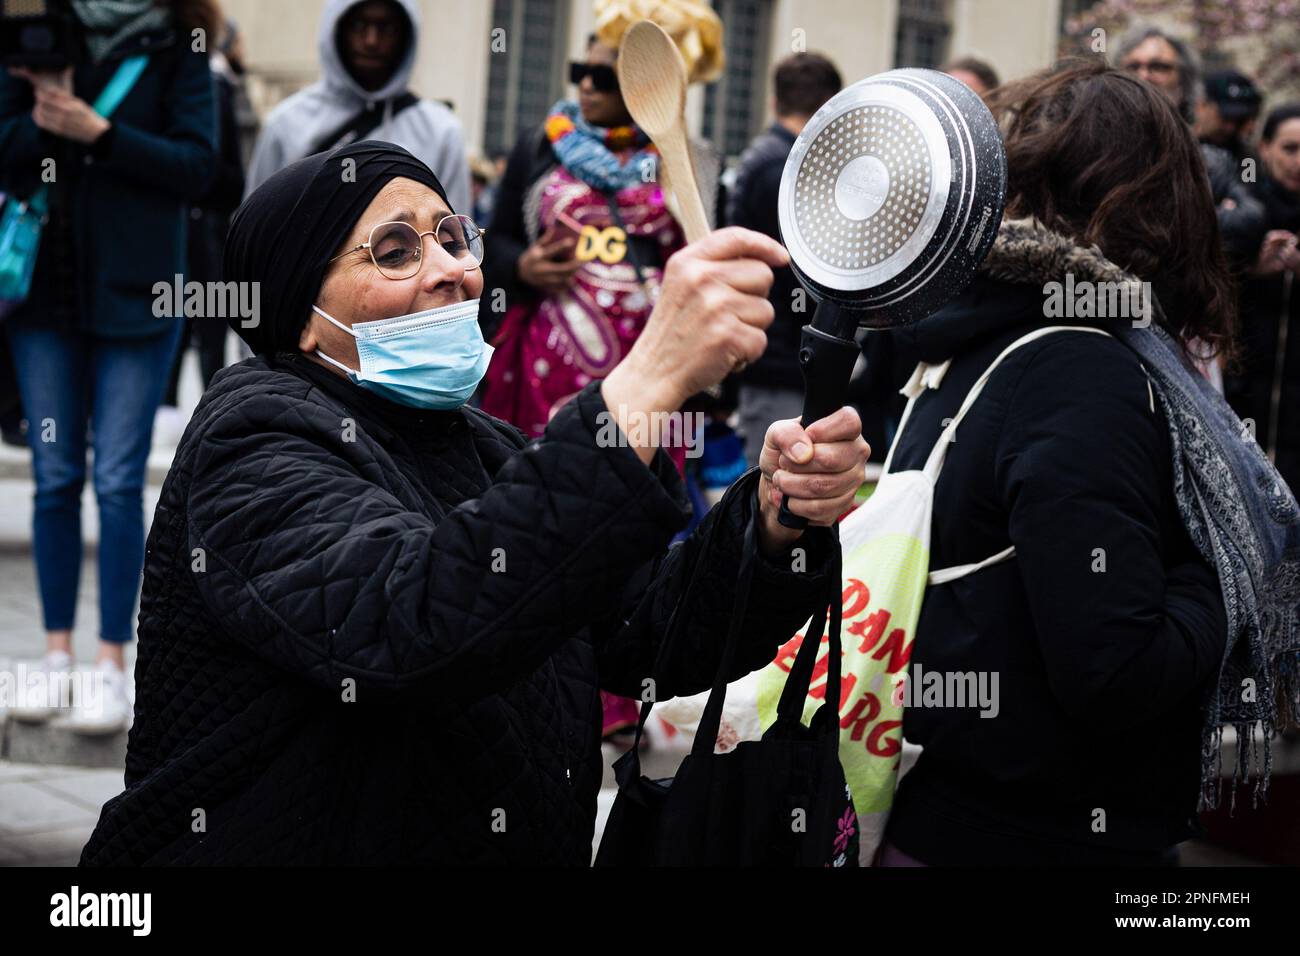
[[711, 315]]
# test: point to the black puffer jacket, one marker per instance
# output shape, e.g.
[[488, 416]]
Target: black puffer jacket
[[1104, 629], [372, 634]]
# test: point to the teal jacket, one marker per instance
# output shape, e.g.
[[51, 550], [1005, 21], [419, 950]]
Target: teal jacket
[[127, 197]]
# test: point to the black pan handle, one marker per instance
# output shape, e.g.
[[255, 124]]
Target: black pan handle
[[826, 362]]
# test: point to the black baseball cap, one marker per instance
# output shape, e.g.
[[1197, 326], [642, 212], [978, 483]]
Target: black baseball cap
[[1234, 93]]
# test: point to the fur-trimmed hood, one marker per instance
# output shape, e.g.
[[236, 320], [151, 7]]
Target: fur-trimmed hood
[[1014, 288], [1027, 252]]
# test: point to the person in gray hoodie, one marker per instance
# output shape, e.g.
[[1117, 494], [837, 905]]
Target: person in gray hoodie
[[367, 52]]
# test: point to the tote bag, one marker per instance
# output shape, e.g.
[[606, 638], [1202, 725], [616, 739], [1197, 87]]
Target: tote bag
[[780, 800], [886, 569]]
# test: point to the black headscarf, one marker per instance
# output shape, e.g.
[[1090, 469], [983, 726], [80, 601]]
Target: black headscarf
[[285, 233]]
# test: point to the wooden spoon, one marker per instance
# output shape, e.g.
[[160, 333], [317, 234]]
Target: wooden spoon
[[652, 76]]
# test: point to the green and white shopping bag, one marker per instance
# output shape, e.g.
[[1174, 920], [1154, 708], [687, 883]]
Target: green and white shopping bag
[[886, 547], [886, 569]]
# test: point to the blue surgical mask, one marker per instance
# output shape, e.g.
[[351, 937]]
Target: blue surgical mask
[[429, 359]]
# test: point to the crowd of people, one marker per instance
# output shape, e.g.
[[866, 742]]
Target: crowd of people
[[409, 415]]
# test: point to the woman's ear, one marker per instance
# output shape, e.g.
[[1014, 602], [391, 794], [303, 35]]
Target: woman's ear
[[307, 342], [1266, 154]]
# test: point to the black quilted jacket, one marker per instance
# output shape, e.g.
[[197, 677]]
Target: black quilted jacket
[[373, 634]]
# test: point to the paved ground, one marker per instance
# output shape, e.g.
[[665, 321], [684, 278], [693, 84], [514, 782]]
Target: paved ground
[[47, 813]]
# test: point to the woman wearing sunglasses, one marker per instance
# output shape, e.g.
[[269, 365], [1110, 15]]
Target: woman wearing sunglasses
[[579, 242], [375, 621], [580, 238]]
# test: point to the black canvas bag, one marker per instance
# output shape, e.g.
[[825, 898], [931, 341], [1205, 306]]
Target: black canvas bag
[[778, 801]]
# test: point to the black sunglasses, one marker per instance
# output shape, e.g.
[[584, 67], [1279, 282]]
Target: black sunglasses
[[603, 77]]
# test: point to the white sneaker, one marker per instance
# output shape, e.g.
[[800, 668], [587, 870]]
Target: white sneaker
[[102, 706], [42, 687]]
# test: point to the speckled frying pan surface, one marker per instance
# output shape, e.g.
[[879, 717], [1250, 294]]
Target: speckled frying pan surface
[[892, 195]]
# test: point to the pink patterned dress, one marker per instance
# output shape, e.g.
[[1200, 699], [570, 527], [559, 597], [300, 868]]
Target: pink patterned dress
[[549, 351]]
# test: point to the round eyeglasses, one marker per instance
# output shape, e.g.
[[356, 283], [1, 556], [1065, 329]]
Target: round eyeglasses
[[397, 248]]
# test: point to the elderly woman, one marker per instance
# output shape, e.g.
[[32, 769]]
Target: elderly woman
[[375, 621]]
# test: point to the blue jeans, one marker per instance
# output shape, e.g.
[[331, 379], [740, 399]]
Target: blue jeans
[[69, 381]]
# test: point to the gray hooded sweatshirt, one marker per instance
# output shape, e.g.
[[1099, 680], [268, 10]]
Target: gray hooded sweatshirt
[[428, 129]]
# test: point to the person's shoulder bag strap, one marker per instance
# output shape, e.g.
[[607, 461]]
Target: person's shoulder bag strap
[[362, 124], [611, 199], [109, 99], [930, 376], [112, 95], [934, 463]]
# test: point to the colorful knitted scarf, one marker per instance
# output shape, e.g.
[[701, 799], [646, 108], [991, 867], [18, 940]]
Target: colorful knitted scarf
[[589, 152]]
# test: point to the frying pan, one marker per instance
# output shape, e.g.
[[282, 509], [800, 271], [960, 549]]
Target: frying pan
[[890, 199]]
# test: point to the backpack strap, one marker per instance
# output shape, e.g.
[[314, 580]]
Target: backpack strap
[[362, 124], [115, 91], [611, 200], [929, 376], [924, 376], [934, 463], [108, 100]]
